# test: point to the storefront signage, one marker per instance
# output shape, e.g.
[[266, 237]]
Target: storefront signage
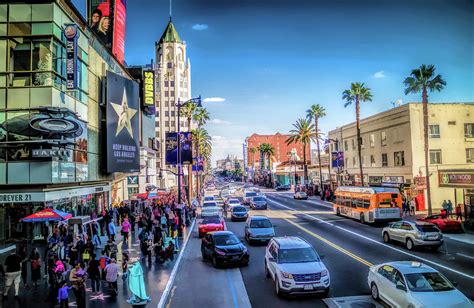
[[132, 180], [48, 153], [375, 179], [148, 91], [21, 197], [71, 34], [420, 182], [122, 112], [393, 179], [456, 178]]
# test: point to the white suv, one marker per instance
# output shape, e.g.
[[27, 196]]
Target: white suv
[[295, 267]]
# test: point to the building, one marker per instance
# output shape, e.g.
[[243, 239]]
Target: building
[[173, 83], [230, 163], [393, 152], [68, 116]]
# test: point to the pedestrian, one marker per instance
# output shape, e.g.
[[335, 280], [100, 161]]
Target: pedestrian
[[412, 206], [77, 278], [458, 212], [406, 208], [62, 255], [125, 229], [444, 206], [12, 274], [63, 295], [96, 234], [24, 266], [111, 271], [112, 229], [125, 260], [93, 270], [449, 208]]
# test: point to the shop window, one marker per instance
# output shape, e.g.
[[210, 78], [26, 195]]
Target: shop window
[[44, 28], [3, 29], [20, 55], [20, 12], [42, 12], [58, 55], [19, 29], [3, 12]]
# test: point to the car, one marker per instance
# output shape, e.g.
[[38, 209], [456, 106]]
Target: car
[[413, 234], [224, 248], [413, 284], [209, 198], [259, 203], [282, 187], [220, 202], [258, 229], [443, 223], [211, 211], [295, 267], [238, 212], [209, 204], [300, 195], [208, 224], [232, 202], [248, 195]]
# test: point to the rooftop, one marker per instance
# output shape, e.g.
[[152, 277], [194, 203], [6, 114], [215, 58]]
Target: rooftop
[[291, 242], [408, 267], [170, 35]]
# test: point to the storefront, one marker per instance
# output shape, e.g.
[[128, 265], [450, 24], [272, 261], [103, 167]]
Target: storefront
[[462, 184]]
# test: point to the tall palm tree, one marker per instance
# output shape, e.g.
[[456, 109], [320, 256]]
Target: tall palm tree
[[421, 80], [201, 116], [188, 111], [253, 151], [316, 112], [356, 94], [266, 151], [303, 132]]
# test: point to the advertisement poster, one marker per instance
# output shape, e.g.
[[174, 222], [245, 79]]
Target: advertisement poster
[[172, 148], [148, 91], [198, 164], [123, 149], [186, 148], [337, 159], [171, 144], [118, 43]]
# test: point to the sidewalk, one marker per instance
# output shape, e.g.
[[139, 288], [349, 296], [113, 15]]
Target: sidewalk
[[156, 278]]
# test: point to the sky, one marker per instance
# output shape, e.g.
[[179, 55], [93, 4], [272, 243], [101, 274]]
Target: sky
[[262, 63]]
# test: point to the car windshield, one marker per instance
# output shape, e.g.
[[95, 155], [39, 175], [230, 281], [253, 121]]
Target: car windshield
[[209, 204], [211, 220], [239, 209], [261, 223], [297, 255], [427, 228], [227, 239], [234, 201], [428, 282], [258, 199], [250, 194]]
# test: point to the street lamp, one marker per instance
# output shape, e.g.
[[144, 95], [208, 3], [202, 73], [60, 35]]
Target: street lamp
[[197, 101]]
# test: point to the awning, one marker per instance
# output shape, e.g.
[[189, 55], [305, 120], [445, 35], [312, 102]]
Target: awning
[[47, 215]]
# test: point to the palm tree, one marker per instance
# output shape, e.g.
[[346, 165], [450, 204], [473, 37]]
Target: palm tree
[[201, 116], [253, 151], [421, 80], [188, 111], [303, 132], [266, 151], [316, 112], [357, 93], [203, 146]]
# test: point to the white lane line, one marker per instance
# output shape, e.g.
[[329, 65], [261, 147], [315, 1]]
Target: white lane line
[[380, 243], [465, 256], [299, 212], [170, 283], [313, 202]]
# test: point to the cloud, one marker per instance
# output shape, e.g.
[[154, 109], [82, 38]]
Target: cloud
[[379, 74], [200, 27], [213, 100], [223, 146], [219, 122]]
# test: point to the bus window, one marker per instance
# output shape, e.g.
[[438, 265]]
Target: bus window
[[354, 203], [360, 203], [348, 202], [366, 204]]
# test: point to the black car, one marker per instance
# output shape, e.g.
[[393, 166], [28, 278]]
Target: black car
[[238, 212], [224, 248], [282, 187], [259, 203]]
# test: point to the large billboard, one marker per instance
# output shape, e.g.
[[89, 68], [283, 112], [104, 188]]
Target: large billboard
[[186, 139], [122, 113], [107, 20]]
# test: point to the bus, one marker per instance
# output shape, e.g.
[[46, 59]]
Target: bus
[[368, 204]]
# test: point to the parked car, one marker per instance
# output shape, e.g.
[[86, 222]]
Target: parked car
[[295, 267], [209, 224], [282, 187], [258, 229], [248, 195], [259, 203], [300, 195], [224, 248], [413, 234], [238, 212], [444, 224], [413, 284]]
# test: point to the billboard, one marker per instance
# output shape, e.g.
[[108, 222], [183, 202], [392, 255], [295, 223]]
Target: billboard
[[186, 140], [337, 159], [107, 20], [122, 113], [148, 91]]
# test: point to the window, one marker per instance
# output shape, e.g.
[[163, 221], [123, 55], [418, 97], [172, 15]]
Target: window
[[20, 55], [383, 138], [363, 161], [354, 164], [172, 83], [167, 113], [166, 83], [372, 160], [173, 123], [470, 155], [372, 140], [347, 162], [353, 144], [399, 158], [384, 160], [172, 113], [346, 146], [362, 143], [170, 65], [433, 131], [469, 130], [435, 157]]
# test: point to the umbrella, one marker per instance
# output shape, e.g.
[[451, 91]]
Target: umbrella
[[47, 215]]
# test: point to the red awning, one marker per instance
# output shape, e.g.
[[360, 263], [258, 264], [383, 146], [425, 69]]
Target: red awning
[[47, 215]]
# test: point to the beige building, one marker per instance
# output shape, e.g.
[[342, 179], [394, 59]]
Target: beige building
[[392, 151]]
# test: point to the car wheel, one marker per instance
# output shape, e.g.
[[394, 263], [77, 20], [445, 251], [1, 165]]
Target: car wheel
[[409, 244], [362, 219], [267, 272], [374, 291], [277, 287], [214, 262], [386, 238], [338, 212], [203, 254]]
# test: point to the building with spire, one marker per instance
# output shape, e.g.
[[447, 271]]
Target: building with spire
[[173, 83]]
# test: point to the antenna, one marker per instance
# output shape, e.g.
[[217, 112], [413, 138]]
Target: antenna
[[171, 7]]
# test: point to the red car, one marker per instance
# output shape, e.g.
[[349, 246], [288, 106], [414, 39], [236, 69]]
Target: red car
[[444, 224], [210, 224]]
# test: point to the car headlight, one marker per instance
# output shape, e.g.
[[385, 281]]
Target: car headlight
[[286, 275], [324, 273], [244, 250], [219, 252]]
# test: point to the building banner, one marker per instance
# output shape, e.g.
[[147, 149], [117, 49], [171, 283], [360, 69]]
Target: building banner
[[71, 34], [172, 148], [118, 44], [337, 159], [148, 92], [122, 112], [171, 145], [186, 148]]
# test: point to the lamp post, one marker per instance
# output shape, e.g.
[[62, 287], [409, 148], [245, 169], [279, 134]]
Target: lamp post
[[195, 100]]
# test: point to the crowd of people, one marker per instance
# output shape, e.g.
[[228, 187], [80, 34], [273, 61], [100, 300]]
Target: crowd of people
[[70, 259]]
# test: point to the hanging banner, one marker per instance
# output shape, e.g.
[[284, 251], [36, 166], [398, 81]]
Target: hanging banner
[[71, 34], [337, 159], [186, 139], [172, 148], [118, 44]]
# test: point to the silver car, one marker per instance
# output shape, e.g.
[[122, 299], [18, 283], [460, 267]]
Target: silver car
[[258, 229], [413, 234]]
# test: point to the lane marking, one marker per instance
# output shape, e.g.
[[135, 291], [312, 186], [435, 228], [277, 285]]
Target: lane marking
[[311, 201], [380, 243], [465, 256], [232, 289], [324, 240], [302, 213], [170, 282]]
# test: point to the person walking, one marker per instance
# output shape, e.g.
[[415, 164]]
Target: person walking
[[35, 262], [449, 208], [24, 267], [96, 234], [412, 206], [94, 274], [125, 260], [77, 278], [63, 295], [112, 230], [111, 276], [12, 274], [125, 229], [458, 212]]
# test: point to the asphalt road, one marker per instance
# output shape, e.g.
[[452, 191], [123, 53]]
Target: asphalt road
[[348, 248]]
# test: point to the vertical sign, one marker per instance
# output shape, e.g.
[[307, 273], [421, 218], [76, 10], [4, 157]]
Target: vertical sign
[[71, 34], [148, 91], [118, 43]]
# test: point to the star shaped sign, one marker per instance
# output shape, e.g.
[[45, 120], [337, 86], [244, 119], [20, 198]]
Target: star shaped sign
[[125, 115], [100, 297]]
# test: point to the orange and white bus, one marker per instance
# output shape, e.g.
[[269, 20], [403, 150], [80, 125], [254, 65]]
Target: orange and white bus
[[368, 204]]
